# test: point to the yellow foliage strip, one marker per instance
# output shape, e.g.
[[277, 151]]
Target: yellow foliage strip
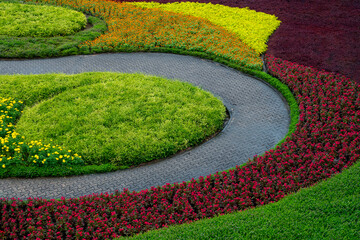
[[253, 28], [139, 29]]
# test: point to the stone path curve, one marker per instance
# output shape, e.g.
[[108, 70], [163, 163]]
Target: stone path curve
[[259, 119]]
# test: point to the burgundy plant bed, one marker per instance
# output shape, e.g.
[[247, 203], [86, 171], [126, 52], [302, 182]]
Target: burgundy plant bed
[[324, 34]]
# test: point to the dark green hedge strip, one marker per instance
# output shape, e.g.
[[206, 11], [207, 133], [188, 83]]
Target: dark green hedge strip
[[33, 172]]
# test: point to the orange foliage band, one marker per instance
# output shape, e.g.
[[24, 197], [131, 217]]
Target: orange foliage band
[[136, 29]]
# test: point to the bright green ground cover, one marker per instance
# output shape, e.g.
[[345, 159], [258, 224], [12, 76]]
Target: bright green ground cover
[[22, 20], [30, 46], [328, 210], [253, 28], [122, 119]]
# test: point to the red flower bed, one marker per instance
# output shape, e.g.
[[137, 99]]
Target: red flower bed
[[326, 141], [322, 33]]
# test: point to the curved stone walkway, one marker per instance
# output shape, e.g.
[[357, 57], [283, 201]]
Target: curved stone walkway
[[259, 119]]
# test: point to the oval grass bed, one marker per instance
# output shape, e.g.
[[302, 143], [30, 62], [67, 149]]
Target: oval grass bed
[[34, 37], [117, 119], [22, 20]]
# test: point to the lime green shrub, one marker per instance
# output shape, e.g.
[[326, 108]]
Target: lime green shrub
[[112, 118]]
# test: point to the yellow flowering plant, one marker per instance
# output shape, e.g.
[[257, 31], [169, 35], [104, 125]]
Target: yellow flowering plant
[[14, 150]]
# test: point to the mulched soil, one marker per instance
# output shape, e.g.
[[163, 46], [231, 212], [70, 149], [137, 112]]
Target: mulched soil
[[324, 34]]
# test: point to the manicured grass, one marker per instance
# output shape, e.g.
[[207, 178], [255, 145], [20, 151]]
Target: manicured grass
[[41, 46], [122, 119], [128, 120], [328, 210], [22, 20]]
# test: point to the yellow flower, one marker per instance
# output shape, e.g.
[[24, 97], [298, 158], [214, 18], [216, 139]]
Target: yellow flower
[[3, 165]]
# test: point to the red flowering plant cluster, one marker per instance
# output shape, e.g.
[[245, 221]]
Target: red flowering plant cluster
[[325, 142]]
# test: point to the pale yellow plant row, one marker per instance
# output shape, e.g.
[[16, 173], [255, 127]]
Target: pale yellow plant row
[[253, 28]]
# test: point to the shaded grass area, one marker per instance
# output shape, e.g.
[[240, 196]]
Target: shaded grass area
[[328, 210], [323, 34], [113, 120], [31, 47], [128, 120]]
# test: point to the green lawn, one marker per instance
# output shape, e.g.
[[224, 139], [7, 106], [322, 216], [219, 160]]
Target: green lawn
[[113, 118], [328, 210]]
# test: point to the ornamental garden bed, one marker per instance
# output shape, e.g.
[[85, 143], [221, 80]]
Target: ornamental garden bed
[[96, 122], [44, 32], [322, 34], [324, 143]]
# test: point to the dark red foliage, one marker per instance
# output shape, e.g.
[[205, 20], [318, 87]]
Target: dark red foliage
[[321, 33], [327, 140]]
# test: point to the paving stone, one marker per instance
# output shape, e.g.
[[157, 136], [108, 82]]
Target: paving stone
[[259, 119]]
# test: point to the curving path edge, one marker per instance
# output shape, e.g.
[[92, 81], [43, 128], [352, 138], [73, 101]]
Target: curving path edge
[[259, 119]]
